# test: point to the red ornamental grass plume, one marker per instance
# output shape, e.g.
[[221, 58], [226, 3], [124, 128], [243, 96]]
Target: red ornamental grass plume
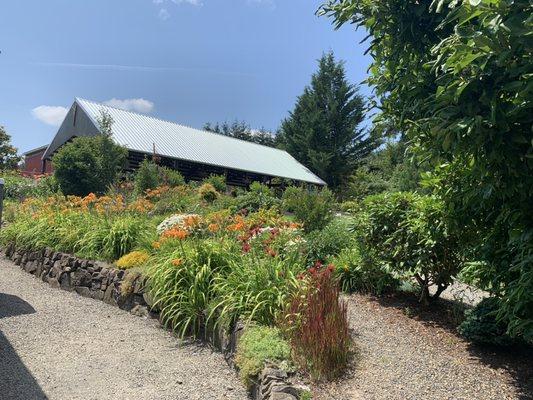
[[318, 325]]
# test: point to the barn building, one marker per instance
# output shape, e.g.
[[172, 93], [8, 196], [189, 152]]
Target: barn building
[[195, 153], [35, 163]]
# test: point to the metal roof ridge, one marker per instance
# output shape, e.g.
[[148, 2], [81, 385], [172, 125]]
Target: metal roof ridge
[[78, 99]]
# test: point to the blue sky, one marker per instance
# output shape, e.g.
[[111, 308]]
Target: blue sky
[[190, 61]]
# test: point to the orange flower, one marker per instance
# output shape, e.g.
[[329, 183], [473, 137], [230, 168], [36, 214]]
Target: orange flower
[[213, 228], [177, 262], [156, 245], [176, 233]]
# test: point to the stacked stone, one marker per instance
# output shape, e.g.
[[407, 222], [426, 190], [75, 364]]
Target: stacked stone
[[92, 279]]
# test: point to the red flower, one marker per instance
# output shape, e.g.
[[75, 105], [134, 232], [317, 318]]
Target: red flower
[[271, 252], [246, 247]]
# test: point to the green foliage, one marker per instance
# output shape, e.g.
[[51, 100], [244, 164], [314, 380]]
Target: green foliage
[[218, 182], [482, 326], [312, 207], [331, 240], [9, 158], [146, 177], [150, 176], [18, 187], [182, 283], [256, 289], [88, 165], [322, 132], [456, 78], [257, 346], [409, 233], [171, 178], [207, 192], [259, 196], [361, 274]]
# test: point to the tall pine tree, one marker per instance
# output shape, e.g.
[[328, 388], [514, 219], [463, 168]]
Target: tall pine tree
[[323, 131]]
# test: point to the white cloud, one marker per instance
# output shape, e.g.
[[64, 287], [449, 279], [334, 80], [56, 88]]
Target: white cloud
[[191, 2], [51, 115], [138, 105], [163, 14]]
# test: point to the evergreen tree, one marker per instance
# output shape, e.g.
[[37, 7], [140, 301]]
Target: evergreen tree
[[8, 154], [322, 131], [241, 130]]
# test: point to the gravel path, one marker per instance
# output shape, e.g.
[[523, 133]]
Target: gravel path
[[403, 356], [58, 345]]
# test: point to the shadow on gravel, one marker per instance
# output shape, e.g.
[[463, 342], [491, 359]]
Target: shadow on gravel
[[11, 306], [446, 314], [16, 381]]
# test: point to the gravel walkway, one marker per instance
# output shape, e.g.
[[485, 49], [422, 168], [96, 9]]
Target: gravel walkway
[[58, 345], [403, 356]]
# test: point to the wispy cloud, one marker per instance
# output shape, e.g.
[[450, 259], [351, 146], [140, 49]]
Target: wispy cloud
[[142, 68], [139, 105], [163, 14], [50, 115]]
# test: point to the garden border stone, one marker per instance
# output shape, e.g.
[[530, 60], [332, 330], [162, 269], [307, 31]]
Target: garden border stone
[[104, 282]]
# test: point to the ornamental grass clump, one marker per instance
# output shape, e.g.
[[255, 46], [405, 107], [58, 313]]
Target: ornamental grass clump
[[316, 325]]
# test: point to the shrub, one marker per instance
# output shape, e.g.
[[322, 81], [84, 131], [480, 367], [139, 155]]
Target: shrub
[[482, 326], [409, 233], [314, 208], [88, 164], [359, 274], [207, 192], [257, 346], [171, 178], [18, 187], [218, 182], [331, 240], [259, 196], [316, 324], [147, 177], [135, 259]]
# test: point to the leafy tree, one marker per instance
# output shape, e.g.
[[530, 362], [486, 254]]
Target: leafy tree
[[456, 76], [150, 175], [322, 131], [8, 154], [89, 164], [241, 130]]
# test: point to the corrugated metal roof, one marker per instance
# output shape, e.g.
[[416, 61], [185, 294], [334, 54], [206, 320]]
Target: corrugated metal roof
[[140, 132]]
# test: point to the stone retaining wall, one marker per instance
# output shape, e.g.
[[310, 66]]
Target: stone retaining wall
[[126, 290]]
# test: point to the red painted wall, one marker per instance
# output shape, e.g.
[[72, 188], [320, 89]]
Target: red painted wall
[[33, 163]]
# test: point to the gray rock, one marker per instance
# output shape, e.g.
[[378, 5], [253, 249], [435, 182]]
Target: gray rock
[[64, 282], [53, 282], [83, 291], [140, 311], [80, 277], [282, 396]]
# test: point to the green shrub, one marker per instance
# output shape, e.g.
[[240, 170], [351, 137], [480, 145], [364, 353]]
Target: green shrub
[[259, 196], [218, 182], [313, 207], [170, 177], [409, 234], [357, 274], [481, 325], [331, 240], [146, 177], [257, 346], [207, 192], [88, 165]]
